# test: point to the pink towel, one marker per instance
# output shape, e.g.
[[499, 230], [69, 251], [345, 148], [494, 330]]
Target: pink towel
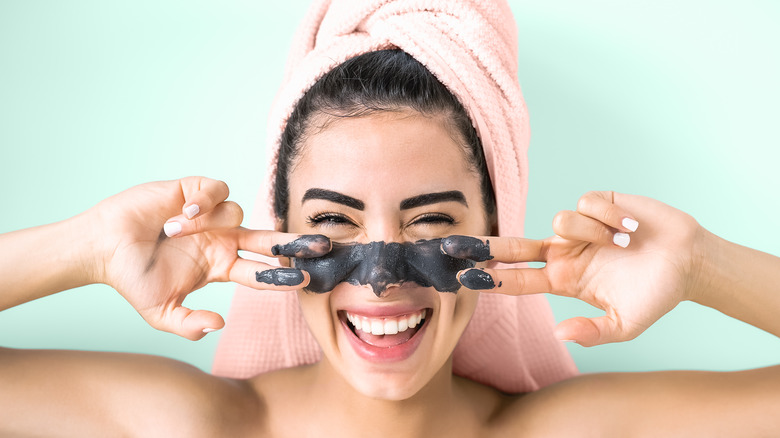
[[471, 47]]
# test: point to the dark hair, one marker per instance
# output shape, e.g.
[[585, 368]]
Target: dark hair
[[385, 80]]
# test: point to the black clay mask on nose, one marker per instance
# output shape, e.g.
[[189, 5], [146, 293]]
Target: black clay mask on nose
[[381, 264]]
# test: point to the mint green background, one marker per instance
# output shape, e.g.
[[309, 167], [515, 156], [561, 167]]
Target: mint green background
[[669, 99]]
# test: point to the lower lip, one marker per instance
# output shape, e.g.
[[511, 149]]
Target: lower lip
[[388, 354]]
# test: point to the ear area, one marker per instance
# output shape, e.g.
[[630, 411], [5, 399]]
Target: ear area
[[493, 220], [280, 225]]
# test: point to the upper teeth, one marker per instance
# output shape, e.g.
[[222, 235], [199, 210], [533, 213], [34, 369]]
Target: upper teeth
[[386, 326]]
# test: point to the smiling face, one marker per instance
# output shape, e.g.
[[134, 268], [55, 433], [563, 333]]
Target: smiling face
[[392, 177]]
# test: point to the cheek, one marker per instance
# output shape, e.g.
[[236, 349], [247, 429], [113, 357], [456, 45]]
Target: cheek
[[317, 314], [295, 221], [456, 312], [466, 303]]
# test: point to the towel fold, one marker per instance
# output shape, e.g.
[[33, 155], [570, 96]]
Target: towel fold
[[471, 47]]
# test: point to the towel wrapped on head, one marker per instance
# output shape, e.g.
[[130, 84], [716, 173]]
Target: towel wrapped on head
[[471, 48]]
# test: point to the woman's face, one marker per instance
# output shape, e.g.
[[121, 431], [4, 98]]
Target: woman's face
[[373, 177]]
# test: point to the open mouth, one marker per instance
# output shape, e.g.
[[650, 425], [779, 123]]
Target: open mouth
[[387, 338]]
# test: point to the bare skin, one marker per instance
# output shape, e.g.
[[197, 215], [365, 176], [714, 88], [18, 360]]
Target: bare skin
[[131, 395], [72, 393]]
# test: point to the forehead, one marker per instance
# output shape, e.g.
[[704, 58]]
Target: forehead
[[407, 151]]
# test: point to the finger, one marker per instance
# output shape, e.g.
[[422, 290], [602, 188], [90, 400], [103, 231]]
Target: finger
[[593, 331], [277, 244], [506, 281], [201, 195], [224, 216], [601, 207], [188, 323], [572, 225], [259, 275], [498, 249]]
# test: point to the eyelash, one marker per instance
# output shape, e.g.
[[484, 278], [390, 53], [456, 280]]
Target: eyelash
[[434, 218], [328, 220], [335, 219]]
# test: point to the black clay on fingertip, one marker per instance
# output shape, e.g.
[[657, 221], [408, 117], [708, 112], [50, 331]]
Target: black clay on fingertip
[[306, 246], [280, 276], [466, 247], [477, 279], [381, 265]]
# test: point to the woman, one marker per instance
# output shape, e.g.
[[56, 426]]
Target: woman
[[344, 184], [614, 104], [470, 47]]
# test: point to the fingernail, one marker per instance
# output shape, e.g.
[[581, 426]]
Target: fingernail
[[280, 276], [621, 239], [566, 341], [630, 224], [465, 247], [209, 330], [191, 211], [172, 228], [477, 279], [306, 246]]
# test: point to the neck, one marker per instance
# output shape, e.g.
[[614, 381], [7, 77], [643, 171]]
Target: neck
[[361, 415]]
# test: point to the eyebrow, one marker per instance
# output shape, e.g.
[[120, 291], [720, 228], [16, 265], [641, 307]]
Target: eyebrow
[[434, 198], [330, 195]]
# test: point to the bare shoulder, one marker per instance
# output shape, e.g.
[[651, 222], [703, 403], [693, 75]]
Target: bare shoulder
[[667, 403], [581, 407], [186, 398], [283, 391], [81, 393]]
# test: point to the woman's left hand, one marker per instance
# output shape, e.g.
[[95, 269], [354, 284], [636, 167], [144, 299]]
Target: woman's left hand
[[634, 276]]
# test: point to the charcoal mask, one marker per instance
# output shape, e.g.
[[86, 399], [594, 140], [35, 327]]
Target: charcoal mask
[[381, 264]]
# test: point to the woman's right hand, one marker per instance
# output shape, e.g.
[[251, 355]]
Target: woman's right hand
[[160, 241]]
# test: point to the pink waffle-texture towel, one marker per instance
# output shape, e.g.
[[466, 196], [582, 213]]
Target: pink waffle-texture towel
[[471, 47]]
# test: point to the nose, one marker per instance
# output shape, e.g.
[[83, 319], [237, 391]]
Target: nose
[[382, 266]]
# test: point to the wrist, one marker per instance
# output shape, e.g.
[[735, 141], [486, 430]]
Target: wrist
[[738, 281], [704, 254], [711, 258], [86, 253]]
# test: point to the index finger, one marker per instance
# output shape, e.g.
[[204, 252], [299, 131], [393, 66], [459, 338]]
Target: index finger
[[498, 249], [279, 244]]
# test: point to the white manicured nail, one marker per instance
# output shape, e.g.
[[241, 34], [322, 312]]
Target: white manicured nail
[[191, 211], [172, 228], [630, 224], [621, 239], [209, 330]]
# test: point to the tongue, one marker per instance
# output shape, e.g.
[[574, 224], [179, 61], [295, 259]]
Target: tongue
[[386, 341]]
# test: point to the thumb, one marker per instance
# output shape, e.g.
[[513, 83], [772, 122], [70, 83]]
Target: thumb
[[592, 331], [188, 323]]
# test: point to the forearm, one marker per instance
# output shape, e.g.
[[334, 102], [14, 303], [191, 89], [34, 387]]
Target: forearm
[[741, 282], [40, 261]]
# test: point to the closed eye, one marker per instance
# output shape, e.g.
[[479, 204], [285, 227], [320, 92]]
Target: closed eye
[[433, 219], [328, 220]]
